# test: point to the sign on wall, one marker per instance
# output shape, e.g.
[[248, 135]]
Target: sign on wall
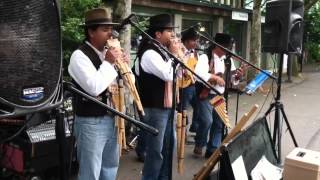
[[241, 16]]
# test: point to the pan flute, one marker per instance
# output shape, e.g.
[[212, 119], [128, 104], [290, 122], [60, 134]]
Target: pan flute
[[126, 76], [219, 105], [117, 94]]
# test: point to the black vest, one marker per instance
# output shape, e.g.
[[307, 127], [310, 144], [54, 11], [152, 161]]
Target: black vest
[[151, 87], [83, 106]]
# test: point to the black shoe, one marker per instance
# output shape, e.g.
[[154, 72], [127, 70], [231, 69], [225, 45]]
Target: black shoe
[[197, 151]]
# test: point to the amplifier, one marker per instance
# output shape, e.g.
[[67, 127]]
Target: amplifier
[[36, 149], [45, 131]]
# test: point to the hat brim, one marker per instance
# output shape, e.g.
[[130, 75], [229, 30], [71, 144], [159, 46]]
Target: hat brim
[[162, 27], [100, 23]]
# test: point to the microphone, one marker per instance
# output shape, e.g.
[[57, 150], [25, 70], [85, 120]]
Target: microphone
[[124, 22], [115, 34]]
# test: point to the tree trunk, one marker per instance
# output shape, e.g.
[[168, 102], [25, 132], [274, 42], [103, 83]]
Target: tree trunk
[[122, 9], [255, 39], [295, 67], [308, 4]]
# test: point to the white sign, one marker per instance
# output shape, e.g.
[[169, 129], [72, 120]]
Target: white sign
[[239, 169], [241, 16], [263, 19]]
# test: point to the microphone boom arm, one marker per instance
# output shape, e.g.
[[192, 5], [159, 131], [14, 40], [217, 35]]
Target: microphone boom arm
[[137, 123], [175, 59]]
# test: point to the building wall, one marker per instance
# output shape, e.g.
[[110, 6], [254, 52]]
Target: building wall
[[215, 15]]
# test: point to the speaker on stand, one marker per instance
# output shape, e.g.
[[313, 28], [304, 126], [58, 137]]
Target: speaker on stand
[[31, 62], [283, 30], [282, 34]]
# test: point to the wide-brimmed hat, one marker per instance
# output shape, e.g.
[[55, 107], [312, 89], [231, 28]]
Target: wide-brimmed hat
[[161, 21], [98, 16], [223, 39], [190, 33]]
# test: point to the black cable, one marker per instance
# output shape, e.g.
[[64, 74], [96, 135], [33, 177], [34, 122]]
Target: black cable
[[265, 100], [68, 114], [274, 68], [272, 86], [18, 132]]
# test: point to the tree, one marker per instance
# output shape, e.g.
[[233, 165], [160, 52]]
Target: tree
[[255, 38], [311, 33], [122, 9]]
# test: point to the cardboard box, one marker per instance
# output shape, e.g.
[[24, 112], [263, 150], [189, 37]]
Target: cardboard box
[[302, 164]]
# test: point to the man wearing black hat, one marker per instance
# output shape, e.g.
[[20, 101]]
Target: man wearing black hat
[[212, 68], [187, 92], [92, 70], [155, 85]]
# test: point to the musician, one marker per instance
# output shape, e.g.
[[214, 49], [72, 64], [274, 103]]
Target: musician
[[92, 70], [211, 67], [155, 84], [187, 92]]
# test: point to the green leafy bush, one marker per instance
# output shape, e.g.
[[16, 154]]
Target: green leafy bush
[[72, 16], [311, 34]]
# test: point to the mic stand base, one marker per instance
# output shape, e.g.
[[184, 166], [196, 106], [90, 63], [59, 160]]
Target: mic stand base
[[61, 140], [279, 110]]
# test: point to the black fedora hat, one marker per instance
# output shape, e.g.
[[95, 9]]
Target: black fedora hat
[[98, 16], [189, 34], [161, 21], [223, 39]]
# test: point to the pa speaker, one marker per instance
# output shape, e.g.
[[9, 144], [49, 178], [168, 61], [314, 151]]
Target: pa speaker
[[30, 56], [283, 29], [251, 145]]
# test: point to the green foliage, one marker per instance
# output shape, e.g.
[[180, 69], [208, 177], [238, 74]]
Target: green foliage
[[312, 31], [143, 24], [72, 16]]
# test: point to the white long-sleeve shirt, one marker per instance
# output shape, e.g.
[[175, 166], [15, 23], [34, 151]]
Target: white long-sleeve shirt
[[82, 70], [202, 69], [153, 63]]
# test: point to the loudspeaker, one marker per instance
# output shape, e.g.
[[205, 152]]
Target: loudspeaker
[[283, 30], [30, 56], [251, 145]]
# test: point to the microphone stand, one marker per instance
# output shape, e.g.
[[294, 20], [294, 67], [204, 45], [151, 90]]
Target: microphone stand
[[227, 63], [175, 63], [69, 86]]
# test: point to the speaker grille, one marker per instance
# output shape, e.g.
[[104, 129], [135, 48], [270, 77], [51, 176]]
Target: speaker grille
[[30, 51]]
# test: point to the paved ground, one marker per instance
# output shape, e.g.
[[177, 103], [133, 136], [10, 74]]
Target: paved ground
[[301, 100]]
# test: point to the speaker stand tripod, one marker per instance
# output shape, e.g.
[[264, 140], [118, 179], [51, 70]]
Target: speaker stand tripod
[[278, 106]]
